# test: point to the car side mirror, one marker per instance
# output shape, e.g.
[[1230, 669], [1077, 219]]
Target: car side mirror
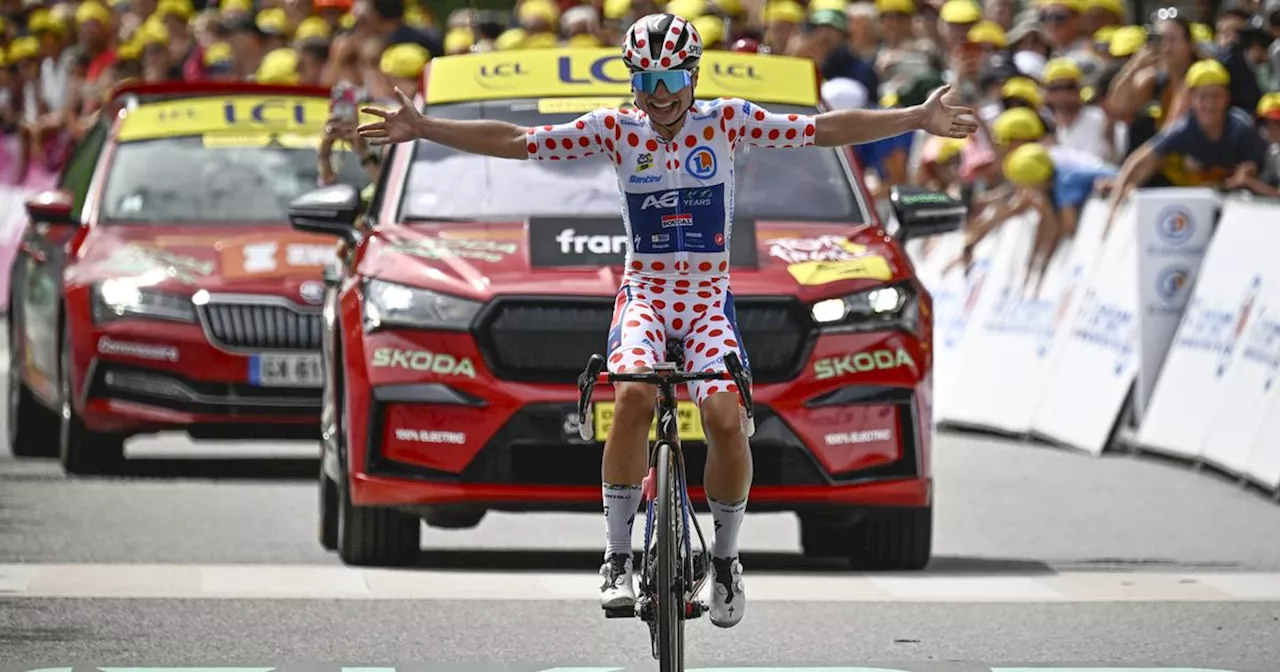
[[330, 210], [51, 207], [922, 213]]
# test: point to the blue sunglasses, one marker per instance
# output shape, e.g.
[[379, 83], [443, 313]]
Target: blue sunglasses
[[674, 80]]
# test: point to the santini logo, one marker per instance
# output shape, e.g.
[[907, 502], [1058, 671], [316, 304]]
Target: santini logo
[[572, 243], [644, 179]]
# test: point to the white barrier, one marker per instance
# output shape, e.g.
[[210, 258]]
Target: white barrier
[[13, 218], [1059, 360]]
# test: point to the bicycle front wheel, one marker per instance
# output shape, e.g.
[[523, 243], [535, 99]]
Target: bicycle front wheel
[[669, 591]]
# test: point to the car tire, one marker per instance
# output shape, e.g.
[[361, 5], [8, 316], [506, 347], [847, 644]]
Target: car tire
[[453, 517], [33, 428], [83, 452], [820, 539], [371, 536], [893, 539]]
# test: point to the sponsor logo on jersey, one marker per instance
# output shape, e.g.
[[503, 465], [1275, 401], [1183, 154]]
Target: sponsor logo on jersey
[[628, 120], [669, 199], [710, 113], [660, 238], [645, 179], [677, 220], [644, 162], [700, 162]]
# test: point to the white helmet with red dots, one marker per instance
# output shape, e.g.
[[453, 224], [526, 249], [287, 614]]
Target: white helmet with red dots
[[660, 42]]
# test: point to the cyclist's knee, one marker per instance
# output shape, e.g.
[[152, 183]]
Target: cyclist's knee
[[633, 403], [722, 420]]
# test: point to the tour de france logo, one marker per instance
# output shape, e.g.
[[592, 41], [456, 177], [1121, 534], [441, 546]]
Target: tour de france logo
[[701, 163], [1172, 282], [1175, 225]]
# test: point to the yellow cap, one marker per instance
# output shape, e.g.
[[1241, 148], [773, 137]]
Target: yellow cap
[[890, 100], [688, 9], [535, 10], [729, 7], [23, 47], [217, 53], [1061, 69], [1201, 32], [279, 66], [1028, 166], [1023, 89], [273, 21], [616, 9], [179, 8], [948, 149], [1017, 124], [236, 7], [1127, 40], [1116, 7], [785, 11], [1104, 34], [416, 18], [348, 21], [819, 5], [129, 51], [92, 11], [458, 41], [1269, 106], [42, 20], [896, 6], [404, 61], [711, 28], [1207, 73], [589, 41], [540, 41], [512, 38], [1078, 6], [960, 12], [151, 33], [987, 32], [313, 28]]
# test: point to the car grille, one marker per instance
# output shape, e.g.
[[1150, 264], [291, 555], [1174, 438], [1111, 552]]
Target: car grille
[[261, 326], [550, 340]]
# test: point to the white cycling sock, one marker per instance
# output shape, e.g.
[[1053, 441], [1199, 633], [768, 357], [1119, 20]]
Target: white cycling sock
[[728, 520], [620, 505]]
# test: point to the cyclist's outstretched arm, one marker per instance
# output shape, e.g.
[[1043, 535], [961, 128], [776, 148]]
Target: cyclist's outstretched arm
[[501, 139], [938, 115]]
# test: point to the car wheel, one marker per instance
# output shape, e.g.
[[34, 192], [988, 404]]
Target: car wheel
[[328, 511], [454, 518], [821, 539], [83, 452], [372, 536], [893, 539], [33, 428]]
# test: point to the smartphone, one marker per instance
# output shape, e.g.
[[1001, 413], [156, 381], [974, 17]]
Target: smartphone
[[343, 99]]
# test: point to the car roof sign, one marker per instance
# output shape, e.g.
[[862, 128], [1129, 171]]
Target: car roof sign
[[545, 73], [224, 114]]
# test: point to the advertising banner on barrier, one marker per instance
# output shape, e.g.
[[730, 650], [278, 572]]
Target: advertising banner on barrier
[[1174, 228], [1095, 353], [1202, 363], [1243, 252], [13, 219], [956, 300]]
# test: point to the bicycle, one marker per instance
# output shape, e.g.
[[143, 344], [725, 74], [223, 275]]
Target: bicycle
[[671, 576]]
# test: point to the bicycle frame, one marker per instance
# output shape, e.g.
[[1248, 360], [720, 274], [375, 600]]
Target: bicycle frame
[[690, 576]]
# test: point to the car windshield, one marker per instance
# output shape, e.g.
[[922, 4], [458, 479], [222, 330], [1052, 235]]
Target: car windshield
[[791, 184], [208, 179]]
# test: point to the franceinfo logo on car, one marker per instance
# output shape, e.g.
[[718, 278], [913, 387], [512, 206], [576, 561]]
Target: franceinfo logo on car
[[559, 242]]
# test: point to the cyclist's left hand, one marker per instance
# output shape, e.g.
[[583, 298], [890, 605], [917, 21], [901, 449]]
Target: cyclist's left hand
[[945, 116]]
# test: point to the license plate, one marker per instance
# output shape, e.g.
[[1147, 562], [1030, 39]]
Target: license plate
[[688, 420], [286, 371]]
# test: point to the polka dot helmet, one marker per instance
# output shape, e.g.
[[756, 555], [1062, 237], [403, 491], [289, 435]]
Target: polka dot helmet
[[661, 42]]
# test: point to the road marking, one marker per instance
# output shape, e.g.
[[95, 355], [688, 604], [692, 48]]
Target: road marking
[[338, 582]]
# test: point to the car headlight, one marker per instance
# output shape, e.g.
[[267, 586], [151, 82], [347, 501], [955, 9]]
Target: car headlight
[[892, 307], [388, 304], [120, 298]]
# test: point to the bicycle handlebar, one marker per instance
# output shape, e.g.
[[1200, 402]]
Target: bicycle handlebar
[[594, 374]]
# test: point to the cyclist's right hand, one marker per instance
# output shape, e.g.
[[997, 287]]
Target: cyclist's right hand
[[399, 126]]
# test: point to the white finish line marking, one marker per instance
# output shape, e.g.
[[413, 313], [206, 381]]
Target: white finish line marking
[[338, 582]]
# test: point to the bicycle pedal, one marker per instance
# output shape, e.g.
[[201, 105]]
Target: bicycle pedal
[[620, 612]]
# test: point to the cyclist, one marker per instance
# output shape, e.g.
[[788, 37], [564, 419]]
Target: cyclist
[[674, 160]]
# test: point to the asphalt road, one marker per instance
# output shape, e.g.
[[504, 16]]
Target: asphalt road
[[1043, 557]]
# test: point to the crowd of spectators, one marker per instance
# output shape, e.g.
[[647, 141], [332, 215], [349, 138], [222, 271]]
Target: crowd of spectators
[[1074, 95]]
